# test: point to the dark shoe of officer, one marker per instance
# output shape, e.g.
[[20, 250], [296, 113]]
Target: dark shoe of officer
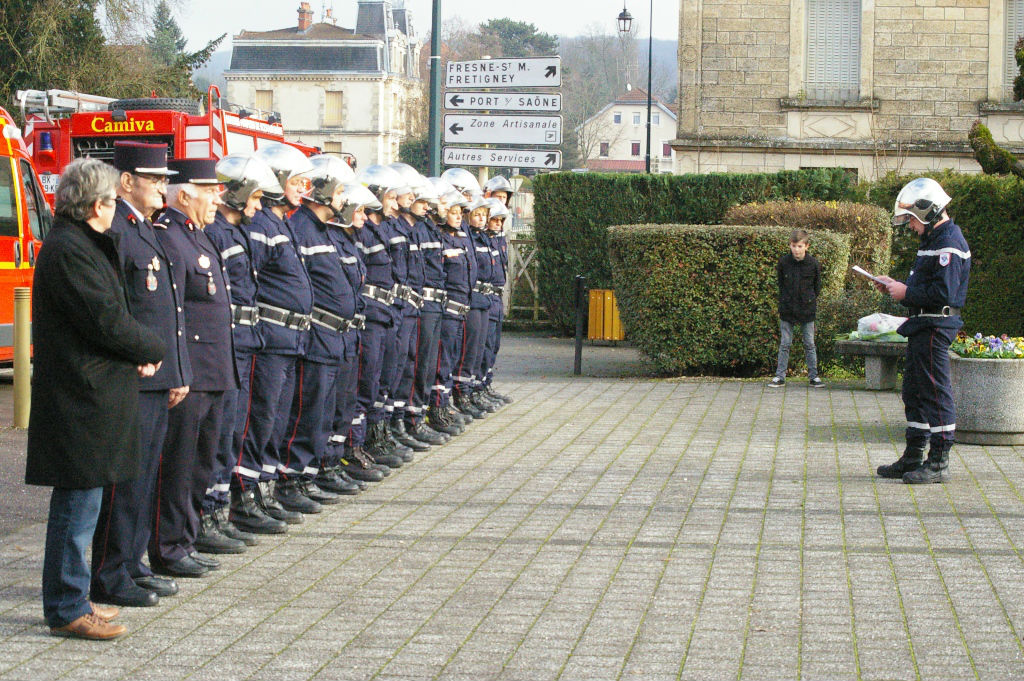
[[396, 447], [289, 494], [313, 491], [494, 395], [355, 464], [206, 561], [464, 404], [481, 402], [424, 433], [161, 586], [211, 540], [266, 497], [183, 567], [247, 514], [132, 596], [328, 479], [912, 459], [438, 419], [399, 432], [935, 469], [228, 528]]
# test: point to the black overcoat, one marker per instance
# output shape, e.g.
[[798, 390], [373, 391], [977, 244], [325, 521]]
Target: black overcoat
[[83, 427]]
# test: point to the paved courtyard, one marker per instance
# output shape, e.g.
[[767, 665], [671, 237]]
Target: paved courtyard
[[601, 527]]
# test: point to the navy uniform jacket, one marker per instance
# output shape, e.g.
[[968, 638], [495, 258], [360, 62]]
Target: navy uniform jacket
[[939, 278], [399, 236], [372, 243], [282, 281], [351, 260], [155, 285], [235, 248], [428, 238], [458, 265], [207, 302], [332, 290], [484, 266]]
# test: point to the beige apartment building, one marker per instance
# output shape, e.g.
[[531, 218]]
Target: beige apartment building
[[869, 85], [615, 138], [341, 89]]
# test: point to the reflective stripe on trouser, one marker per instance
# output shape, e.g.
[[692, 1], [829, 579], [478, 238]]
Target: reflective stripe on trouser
[[271, 377], [927, 391], [346, 386], [186, 469], [466, 379], [453, 331], [401, 383], [236, 411], [126, 511], [310, 418], [428, 347], [371, 357], [492, 343]]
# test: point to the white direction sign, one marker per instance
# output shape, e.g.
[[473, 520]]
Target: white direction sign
[[507, 158], [471, 129], [497, 73], [503, 101]]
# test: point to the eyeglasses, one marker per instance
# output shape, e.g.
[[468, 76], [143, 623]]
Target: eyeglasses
[[158, 180]]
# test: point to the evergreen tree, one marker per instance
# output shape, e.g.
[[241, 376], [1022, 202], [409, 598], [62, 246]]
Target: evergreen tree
[[166, 42], [520, 39]]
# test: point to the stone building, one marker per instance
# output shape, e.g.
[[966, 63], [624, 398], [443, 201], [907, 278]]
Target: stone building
[[869, 85], [614, 139], [341, 89]]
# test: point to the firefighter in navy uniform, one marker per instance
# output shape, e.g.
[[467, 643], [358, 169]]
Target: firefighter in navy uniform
[[492, 342], [934, 293], [467, 382], [244, 179], [193, 430], [334, 308], [155, 297], [285, 302]]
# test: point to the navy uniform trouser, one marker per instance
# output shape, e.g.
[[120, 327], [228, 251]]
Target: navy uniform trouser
[[310, 418], [927, 389], [271, 377], [186, 468], [126, 511], [373, 340], [493, 342], [426, 365], [346, 387], [401, 381], [453, 333], [466, 379], [236, 413], [391, 363]]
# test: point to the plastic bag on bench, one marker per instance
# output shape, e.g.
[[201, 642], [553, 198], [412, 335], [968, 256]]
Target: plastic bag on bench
[[879, 327]]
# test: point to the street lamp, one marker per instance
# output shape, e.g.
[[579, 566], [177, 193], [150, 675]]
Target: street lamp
[[625, 23]]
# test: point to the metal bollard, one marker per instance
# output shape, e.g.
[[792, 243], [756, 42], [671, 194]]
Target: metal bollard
[[22, 355], [581, 282]]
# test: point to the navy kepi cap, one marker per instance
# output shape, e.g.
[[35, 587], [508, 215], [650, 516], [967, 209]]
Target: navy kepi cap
[[139, 157], [195, 170]]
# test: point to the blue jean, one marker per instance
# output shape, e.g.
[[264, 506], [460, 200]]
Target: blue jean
[[810, 352], [66, 574]]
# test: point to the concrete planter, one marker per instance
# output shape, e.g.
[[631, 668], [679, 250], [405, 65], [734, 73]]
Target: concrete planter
[[989, 410]]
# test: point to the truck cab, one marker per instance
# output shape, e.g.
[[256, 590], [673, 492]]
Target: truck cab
[[24, 220]]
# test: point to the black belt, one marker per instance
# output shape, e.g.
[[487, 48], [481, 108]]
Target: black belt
[[455, 308], [282, 317], [245, 315], [434, 295], [484, 287], [334, 322], [944, 311], [381, 295], [409, 295], [496, 290]]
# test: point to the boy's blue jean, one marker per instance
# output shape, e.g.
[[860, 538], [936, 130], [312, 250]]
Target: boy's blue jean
[[810, 352], [69, 530]]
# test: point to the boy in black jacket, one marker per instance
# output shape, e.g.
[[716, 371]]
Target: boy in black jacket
[[799, 276]]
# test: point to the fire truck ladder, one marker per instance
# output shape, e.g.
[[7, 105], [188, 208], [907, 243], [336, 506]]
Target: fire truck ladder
[[52, 103], [216, 115]]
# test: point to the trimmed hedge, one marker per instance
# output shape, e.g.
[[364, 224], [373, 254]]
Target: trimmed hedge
[[574, 210], [701, 299], [868, 226], [990, 211]]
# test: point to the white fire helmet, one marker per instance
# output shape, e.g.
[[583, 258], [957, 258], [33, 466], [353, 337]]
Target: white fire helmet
[[923, 199], [242, 176]]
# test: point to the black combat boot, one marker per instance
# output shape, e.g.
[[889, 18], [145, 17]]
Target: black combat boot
[[266, 498], [481, 402], [289, 493], [424, 433], [313, 491], [229, 529], [495, 396], [399, 432], [355, 463], [211, 540], [248, 515], [458, 417], [935, 469], [378, 448], [328, 478], [400, 450], [466, 406], [913, 457], [439, 421]]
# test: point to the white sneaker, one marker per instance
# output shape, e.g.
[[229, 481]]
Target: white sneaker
[[776, 382]]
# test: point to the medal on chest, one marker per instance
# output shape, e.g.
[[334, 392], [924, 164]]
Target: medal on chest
[[204, 262], [151, 277], [211, 288], [155, 265]]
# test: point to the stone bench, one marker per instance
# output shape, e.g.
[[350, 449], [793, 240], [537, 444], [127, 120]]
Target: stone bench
[[879, 360]]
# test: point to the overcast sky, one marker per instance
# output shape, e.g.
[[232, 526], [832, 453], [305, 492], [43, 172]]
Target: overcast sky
[[202, 20]]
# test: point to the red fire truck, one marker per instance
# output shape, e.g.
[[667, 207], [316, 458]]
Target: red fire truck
[[61, 126]]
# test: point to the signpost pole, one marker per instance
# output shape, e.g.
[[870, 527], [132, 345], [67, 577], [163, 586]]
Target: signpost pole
[[434, 130]]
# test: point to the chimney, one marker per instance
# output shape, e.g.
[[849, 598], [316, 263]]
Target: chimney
[[305, 17]]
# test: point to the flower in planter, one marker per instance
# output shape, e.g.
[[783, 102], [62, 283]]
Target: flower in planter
[[988, 347]]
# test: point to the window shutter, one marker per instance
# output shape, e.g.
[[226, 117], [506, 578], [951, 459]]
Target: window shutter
[[1014, 30], [833, 50], [264, 100], [332, 108]]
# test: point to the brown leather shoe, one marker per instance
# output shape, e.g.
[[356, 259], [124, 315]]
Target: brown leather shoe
[[90, 626], [105, 612]]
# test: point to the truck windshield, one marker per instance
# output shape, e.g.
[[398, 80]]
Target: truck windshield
[[8, 208]]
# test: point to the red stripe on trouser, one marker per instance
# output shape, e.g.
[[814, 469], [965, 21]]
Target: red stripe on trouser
[[245, 429], [295, 429]]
